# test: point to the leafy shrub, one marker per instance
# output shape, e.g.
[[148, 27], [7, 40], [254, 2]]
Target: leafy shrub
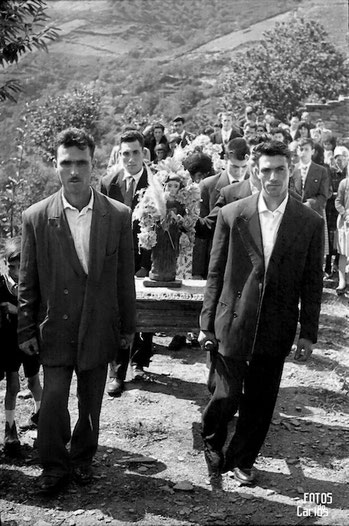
[[44, 119], [294, 62]]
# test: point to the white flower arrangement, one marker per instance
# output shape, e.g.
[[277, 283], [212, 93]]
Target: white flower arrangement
[[152, 209]]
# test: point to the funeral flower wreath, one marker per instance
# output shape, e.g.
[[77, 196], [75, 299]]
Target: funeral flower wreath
[[152, 209]]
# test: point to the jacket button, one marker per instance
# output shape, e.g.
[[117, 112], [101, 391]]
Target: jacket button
[[238, 294], [235, 315], [65, 316], [66, 291]]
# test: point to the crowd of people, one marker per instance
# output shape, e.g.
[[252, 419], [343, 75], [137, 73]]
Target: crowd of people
[[273, 224]]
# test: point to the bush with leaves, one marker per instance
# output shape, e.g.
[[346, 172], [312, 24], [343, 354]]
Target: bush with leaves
[[23, 181], [22, 29], [295, 62], [44, 119]]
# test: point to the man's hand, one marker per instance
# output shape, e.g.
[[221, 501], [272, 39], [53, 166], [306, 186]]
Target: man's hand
[[206, 336], [126, 341], [304, 350], [30, 347], [142, 273], [8, 307]]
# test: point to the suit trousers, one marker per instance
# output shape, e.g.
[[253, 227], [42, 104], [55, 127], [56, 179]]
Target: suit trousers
[[54, 430], [252, 388], [139, 355]]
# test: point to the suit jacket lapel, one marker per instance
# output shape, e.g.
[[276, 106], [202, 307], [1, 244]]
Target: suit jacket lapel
[[297, 181], [289, 227], [222, 181], [121, 183], [310, 177], [98, 238], [251, 235], [59, 226]]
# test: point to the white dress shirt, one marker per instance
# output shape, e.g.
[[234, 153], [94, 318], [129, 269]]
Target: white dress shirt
[[80, 228], [226, 135], [270, 222]]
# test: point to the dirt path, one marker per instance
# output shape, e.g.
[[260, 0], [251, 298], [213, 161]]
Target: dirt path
[[150, 468]]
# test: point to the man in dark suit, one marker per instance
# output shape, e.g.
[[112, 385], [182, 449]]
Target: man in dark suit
[[310, 180], [178, 125], [266, 258], [76, 305], [205, 226], [210, 188], [237, 165], [123, 184], [225, 134]]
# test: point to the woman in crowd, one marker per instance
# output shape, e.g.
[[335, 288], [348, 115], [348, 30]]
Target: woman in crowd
[[342, 206], [303, 130]]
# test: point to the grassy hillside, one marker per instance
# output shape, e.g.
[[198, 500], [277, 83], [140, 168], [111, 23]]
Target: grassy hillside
[[143, 54]]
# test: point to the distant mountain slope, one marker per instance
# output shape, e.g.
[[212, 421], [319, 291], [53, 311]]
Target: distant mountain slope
[[332, 19], [161, 28], [152, 27]]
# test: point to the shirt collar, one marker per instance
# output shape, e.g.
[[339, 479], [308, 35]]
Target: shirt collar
[[89, 205], [262, 207], [305, 166], [232, 180], [136, 176]]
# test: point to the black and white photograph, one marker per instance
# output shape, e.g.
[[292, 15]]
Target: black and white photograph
[[174, 263]]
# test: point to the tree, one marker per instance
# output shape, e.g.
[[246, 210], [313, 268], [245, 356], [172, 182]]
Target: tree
[[294, 63], [27, 176], [22, 29], [44, 119]]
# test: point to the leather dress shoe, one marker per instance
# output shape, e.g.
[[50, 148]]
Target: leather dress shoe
[[115, 388], [245, 476], [138, 372], [341, 290], [51, 484], [177, 342], [83, 475], [11, 441]]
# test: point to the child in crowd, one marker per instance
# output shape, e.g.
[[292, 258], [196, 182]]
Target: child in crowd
[[11, 357]]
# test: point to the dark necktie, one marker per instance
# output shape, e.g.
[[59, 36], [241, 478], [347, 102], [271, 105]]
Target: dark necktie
[[129, 192]]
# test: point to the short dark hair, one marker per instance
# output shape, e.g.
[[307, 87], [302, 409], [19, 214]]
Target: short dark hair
[[261, 125], [199, 162], [277, 129], [306, 140], [257, 139], [159, 125], [304, 124], [78, 137], [179, 119], [161, 146], [131, 136], [250, 124], [239, 148], [271, 149]]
